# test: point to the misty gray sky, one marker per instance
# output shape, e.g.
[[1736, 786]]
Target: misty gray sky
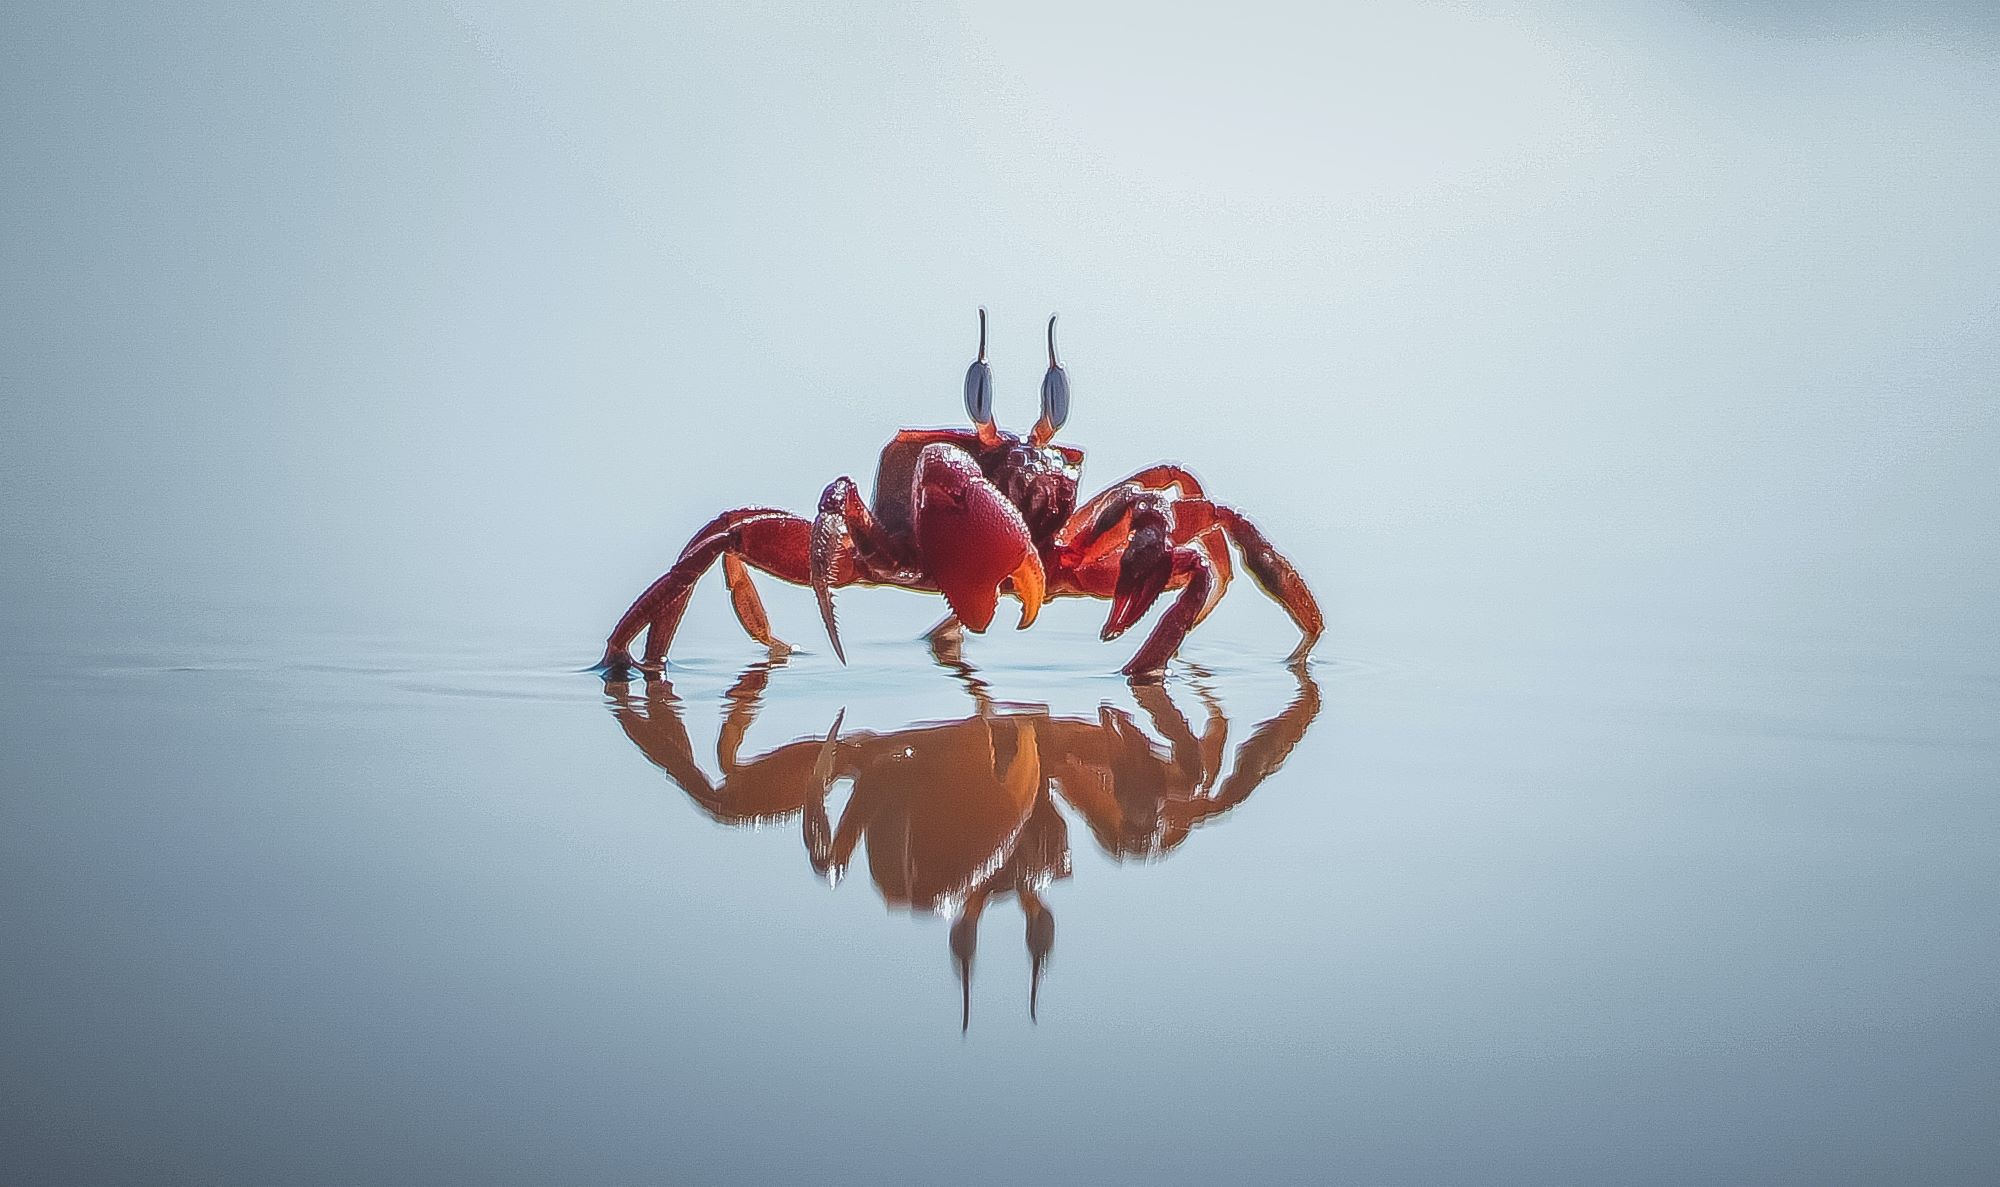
[[412, 315]]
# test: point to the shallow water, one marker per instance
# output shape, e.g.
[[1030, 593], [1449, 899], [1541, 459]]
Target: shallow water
[[412, 915], [1621, 379]]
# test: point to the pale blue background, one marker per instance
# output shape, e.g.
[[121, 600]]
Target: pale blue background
[[1623, 377]]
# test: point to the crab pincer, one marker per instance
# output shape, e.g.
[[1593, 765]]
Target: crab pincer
[[973, 539]]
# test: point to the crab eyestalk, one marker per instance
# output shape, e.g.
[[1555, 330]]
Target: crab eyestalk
[[1055, 394], [979, 390]]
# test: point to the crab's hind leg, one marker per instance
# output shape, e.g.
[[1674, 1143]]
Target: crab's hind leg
[[1204, 521], [774, 541], [1276, 576]]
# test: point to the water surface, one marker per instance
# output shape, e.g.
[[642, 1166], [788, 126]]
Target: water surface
[[1623, 381], [408, 916]]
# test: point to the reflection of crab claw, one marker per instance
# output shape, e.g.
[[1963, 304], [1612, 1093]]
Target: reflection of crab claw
[[973, 539]]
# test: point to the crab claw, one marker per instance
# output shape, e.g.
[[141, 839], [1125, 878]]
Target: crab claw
[[972, 538], [1142, 573]]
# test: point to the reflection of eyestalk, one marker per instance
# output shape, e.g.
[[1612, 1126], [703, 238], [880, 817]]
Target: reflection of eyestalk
[[1041, 941], [1055, 395], [965, 942], [979, 389]]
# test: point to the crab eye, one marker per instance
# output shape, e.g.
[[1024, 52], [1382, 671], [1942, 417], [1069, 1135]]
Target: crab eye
[[1055, 386], [979, 381]]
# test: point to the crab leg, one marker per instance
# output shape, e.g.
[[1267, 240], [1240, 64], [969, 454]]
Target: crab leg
[[1149, 561], [843, 529], [1199, 519], [1180, 617], [1133, 515], [1093, 533], [1274, 574], [661, 630], [1165, 476], [749, 607], [771, 540]]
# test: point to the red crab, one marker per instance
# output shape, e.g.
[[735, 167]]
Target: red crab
[[977, 514]]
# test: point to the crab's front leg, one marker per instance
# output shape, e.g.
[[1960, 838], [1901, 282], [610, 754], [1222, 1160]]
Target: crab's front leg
[[844, 533], [971, 539]]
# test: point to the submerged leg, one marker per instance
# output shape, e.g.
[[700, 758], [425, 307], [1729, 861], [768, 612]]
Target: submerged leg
[[1269, 745], [946, 632], [764, 787]]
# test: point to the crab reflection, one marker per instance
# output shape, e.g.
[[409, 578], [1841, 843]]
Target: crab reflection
[[956, 815]]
